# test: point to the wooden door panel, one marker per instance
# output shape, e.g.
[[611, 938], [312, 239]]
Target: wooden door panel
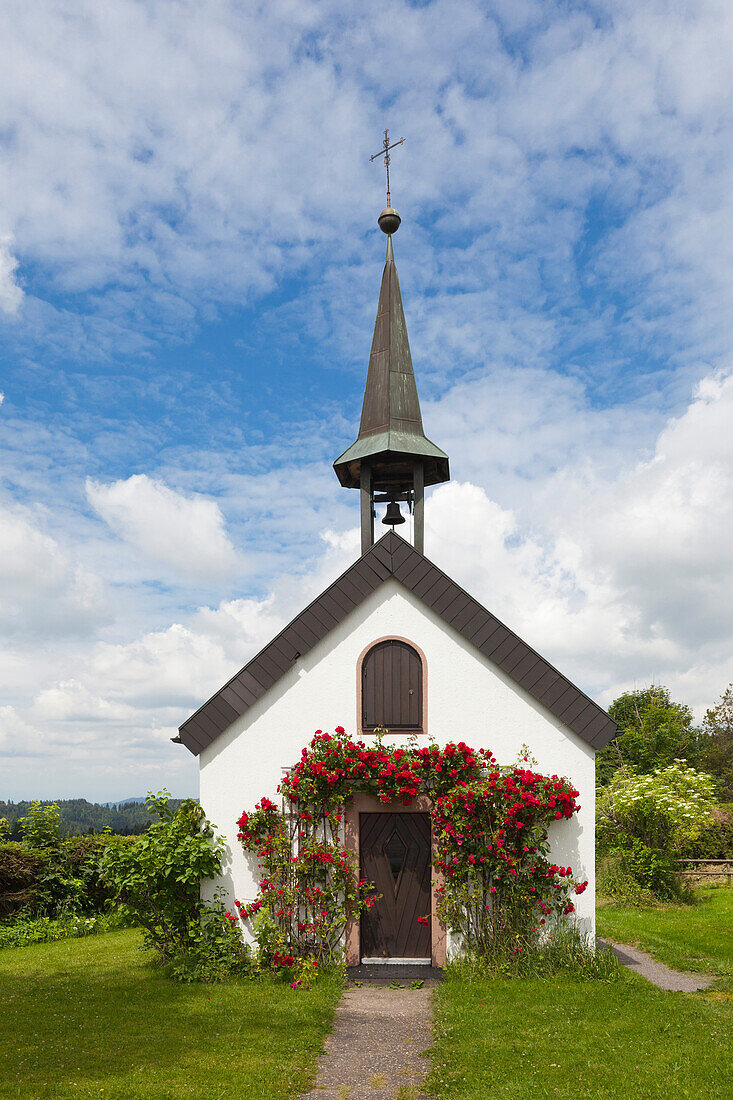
[[395, 856], [413, 901]]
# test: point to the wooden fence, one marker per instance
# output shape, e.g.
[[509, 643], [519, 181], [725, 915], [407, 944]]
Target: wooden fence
[[707, 868]]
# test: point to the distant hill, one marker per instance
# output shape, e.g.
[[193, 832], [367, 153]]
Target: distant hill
[[123, 801], [78, 817]]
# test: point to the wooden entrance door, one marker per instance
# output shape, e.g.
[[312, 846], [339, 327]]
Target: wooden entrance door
[[394, 854]]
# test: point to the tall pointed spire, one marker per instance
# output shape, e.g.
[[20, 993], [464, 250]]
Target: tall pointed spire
[[391, 456]]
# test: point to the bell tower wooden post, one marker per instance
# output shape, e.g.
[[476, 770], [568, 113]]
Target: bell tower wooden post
[[367, 507], [418, 517]]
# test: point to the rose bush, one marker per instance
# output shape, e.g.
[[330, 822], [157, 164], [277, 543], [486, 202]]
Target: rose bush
[[308, 885], [498, 882], [490, 825]]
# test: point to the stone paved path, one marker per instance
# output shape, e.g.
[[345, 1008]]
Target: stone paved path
[[679, 981], [375, 1050]]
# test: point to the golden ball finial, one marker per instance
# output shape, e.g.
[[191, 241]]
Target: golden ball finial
[[389, 221]]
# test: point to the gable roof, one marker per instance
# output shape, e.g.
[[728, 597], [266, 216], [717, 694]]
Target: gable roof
[[393, 557]]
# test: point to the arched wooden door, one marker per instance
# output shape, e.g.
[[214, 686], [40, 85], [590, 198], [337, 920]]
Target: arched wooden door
[[394, 854]]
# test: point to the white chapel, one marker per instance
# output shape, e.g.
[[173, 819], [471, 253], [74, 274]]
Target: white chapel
[[394, 642]]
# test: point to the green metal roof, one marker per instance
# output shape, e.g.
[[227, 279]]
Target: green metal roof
[[391, 429]]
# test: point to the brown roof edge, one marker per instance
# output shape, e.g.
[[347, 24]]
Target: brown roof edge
[[379, 575], [373, 568]]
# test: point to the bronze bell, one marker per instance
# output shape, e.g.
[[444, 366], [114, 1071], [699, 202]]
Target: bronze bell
[[393, 517]]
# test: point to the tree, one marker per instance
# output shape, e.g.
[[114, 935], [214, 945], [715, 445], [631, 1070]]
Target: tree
[[716, 754], [41, 827], [653, 732]]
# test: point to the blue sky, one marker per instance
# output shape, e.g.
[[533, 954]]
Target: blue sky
[[189, 268]]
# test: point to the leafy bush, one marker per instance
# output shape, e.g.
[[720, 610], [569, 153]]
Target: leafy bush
[[713, 842], [64, 878], [615, 881], [638, 875], [156, 881], [643, 821], [41, 827], [663, 810], [19, 874], [81, 858]]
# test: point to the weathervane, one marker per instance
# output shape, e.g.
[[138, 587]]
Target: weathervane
[[389, 219]]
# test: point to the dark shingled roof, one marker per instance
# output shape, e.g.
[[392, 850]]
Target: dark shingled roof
[[393, 557]]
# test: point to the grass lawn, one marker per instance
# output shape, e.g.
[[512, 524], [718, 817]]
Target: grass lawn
[[92, 1017], [605, 1041], [689, 937], [533, 1038]]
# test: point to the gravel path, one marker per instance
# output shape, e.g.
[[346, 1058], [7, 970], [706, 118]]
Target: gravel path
[[679, 981], [376, 1047]]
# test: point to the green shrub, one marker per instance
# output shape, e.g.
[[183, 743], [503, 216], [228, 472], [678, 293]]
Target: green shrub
[[156, 883], [615, 881], [41, 827], [643, 822], [653, 868], [714, 842], [81, 859], [636, 874], [663, 810], [64, 878], [19, 871]]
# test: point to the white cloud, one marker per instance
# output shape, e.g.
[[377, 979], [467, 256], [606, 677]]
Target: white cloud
[[72, 701], [567, 202], [147, 141], [615, 567], [43, 593], [619, 573], [11, 294], [186, 534], [16, 735], [663, 530]]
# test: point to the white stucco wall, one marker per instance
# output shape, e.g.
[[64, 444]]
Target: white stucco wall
[[469, 699]]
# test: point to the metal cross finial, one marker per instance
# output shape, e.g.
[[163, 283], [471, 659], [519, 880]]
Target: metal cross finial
[[384, 152]]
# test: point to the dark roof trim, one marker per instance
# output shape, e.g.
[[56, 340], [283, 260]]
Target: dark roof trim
[[393, 557]]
